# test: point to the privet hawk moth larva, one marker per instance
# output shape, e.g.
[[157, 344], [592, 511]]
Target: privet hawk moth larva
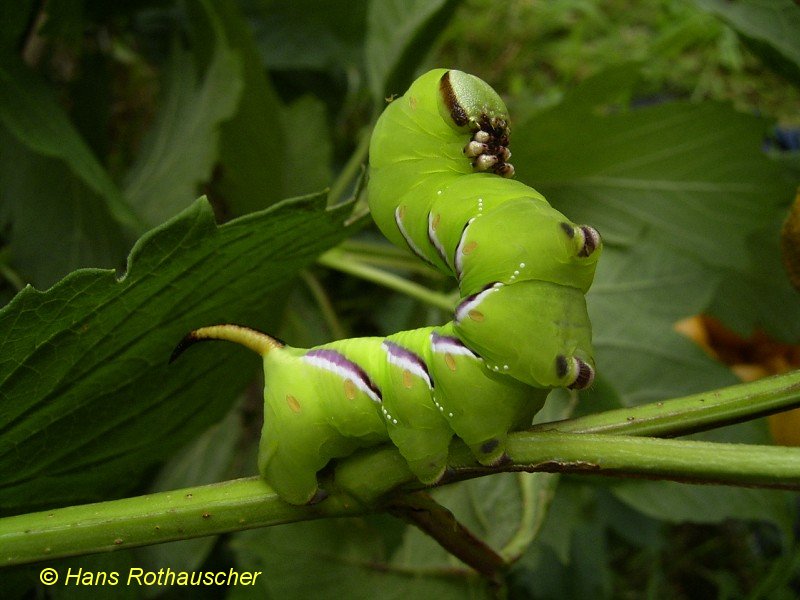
[[439, 185]]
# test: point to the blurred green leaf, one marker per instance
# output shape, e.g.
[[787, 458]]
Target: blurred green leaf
[[14, 20], [571, 558], [639, 294], [676, 503], [307, 151], [693, 176], [88, 401], [676, 190], [284, 30], [252, 142], [57, 222], [400, 34], [771, 28], [180, 150], [29, 111], [347, 558], [765, 298]]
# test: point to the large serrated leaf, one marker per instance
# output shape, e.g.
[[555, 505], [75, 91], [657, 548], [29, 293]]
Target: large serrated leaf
[[87, 401]]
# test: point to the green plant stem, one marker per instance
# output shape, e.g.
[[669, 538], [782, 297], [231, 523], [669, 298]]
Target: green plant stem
[[336, 259], [370, 475], [351, 168], [11, 276], [384, 255], [154, 518], [407, 263], [325, 305], [247, 503], [677, 460], [690, 414], [424, 512]]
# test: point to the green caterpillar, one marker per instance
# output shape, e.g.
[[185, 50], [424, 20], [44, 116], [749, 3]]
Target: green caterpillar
[[439, 185]]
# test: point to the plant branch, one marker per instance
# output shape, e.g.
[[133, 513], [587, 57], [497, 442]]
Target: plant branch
[[336, 259], [325, 306], [691, 414], [351, 169], [364, 481], [424, 512], [155, 518]]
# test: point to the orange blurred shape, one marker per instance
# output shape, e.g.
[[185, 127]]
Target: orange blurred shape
[[750, 359]]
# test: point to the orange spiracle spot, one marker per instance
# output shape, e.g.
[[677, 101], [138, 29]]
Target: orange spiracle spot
[[476, 315], [469, 247], [294, 405], [407, 381]]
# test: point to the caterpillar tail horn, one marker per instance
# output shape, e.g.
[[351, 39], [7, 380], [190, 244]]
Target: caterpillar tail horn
[[255, 340]]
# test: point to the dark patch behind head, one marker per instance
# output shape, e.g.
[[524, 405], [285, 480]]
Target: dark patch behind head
[[457, 112], [561, 365]]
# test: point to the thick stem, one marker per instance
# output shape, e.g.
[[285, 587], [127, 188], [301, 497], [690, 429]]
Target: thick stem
[[371, 475], [653, 458], [155, 518]]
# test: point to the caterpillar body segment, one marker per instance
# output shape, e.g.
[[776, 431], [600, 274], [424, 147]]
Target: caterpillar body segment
[[522, 267], [324, 403]]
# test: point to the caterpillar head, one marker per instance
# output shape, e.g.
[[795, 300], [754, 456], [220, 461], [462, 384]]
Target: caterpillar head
[[469, 103]]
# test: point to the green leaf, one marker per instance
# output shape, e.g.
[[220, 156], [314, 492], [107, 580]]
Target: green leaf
[[283, 31], [639, 294], [771, 28], [252, 142], [764, 295], [87, 399], [679, 503], [575, 535], [57, 222], [14, 20], [180, 150], [676, 190], [693, 176], [29, 111], [308, 149], [400, 34], [347, 558]]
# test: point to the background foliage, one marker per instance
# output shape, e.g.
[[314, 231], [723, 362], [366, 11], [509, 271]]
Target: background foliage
[[654, 122]]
